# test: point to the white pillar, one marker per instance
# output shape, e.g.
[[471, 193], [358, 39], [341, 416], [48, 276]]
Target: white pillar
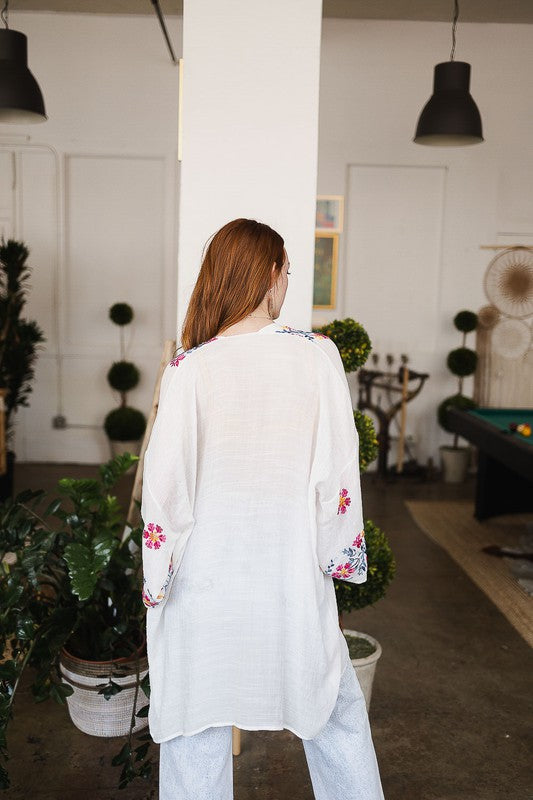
[[250, 132]]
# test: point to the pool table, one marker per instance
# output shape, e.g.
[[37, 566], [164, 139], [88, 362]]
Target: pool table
[[505, 460]]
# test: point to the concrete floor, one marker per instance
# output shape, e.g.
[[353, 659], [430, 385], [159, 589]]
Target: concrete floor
[[451, 710]]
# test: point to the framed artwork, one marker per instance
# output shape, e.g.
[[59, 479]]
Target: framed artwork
[[329, 213], [325, 275]]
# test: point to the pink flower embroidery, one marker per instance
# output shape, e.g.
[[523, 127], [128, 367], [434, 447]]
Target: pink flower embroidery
[[154, 536], [344, 501], [176, 361], [359, 539], [343, 571]]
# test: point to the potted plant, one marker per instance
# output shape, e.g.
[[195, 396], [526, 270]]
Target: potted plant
[[461, 362], [125, 425], [19, 343], [71, 609], [354, 347]]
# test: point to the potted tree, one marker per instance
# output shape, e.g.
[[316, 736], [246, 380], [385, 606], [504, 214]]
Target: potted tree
[[125, 425], [354, 347], [461, 362], [72, 610], [19, 344]]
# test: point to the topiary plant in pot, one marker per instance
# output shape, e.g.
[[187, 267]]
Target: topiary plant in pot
[[19, 344], [71, 610], [354, 346], [125, 425], [461, 362]]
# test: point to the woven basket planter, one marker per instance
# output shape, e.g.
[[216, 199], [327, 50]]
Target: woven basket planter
[[90, 711]]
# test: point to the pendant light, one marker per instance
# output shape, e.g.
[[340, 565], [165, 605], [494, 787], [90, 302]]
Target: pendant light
[[450, 118], [21, 100]]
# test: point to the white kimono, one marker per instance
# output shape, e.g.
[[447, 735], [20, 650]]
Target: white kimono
[[251, 505]]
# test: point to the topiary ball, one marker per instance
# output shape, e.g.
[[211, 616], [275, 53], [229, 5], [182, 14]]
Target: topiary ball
[[465, 321], [368, 443], [121, 314], [454, 401], [352, 340], [123, 376], [381, 571], [462, 361], [125, 424]]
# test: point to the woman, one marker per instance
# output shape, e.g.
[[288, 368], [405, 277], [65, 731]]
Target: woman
[[252, 504]]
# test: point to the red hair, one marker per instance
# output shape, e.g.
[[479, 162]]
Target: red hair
[[234, 277]]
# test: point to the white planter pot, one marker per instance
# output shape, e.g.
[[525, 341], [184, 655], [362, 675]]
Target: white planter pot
[[454, 463], [90, 711], [365, 668]]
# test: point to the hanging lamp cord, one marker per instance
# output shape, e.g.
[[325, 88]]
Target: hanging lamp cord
[[3, 14], [454, 27]]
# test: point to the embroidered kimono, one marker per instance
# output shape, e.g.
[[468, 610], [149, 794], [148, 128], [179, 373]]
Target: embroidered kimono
[[251, 505]]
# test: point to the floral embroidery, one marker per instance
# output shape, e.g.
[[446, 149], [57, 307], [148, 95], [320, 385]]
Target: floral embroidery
[[175, 361], [356, 562], [344, 501], [305, 334], [147, 598], [154, 536]]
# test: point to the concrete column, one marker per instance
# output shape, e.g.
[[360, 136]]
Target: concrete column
[[250, 132]]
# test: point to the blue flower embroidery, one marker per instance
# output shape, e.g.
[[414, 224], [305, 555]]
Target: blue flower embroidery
[[305, 334], [356, 560]]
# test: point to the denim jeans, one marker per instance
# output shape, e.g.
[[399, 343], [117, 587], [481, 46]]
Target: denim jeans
[[341, 759]]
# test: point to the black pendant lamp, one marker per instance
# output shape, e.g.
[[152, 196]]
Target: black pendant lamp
[[450, 118], [21, 100]]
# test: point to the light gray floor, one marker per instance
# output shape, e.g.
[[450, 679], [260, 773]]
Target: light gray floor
[[451, 706]]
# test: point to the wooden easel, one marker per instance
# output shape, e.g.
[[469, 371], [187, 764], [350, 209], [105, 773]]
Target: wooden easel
[[136, 494]]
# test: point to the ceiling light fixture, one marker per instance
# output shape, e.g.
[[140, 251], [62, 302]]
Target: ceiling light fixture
[[450, 118], [21, 100]]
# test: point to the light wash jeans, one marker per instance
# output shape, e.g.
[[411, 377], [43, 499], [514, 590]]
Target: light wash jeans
[[341, 759]]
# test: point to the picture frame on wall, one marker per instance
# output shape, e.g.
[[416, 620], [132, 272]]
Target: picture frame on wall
[[325, 272], [329, 213]]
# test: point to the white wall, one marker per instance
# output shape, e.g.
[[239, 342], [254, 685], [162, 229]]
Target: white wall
[[250, 131], [111, 94], [375, 79], [97, 206]]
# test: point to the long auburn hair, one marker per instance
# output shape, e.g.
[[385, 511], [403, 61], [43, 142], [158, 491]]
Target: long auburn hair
[[234, 277]]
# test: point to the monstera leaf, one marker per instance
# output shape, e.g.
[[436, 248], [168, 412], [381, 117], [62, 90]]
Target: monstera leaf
[[87, 562]]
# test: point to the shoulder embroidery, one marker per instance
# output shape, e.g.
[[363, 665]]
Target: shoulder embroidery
[[310, 335], [175, 361]]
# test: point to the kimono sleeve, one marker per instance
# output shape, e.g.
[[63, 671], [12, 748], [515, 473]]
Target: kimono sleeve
[[169, 480], [341, 547]]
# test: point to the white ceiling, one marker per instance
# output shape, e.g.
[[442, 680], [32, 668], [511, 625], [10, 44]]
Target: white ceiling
[[470, 10]]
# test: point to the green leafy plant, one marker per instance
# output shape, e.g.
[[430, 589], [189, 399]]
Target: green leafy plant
[[461, 362], [20, 338], [368, 443], [381, 571], [354, 346], [125, 423], [352, 340], [70, 579]]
